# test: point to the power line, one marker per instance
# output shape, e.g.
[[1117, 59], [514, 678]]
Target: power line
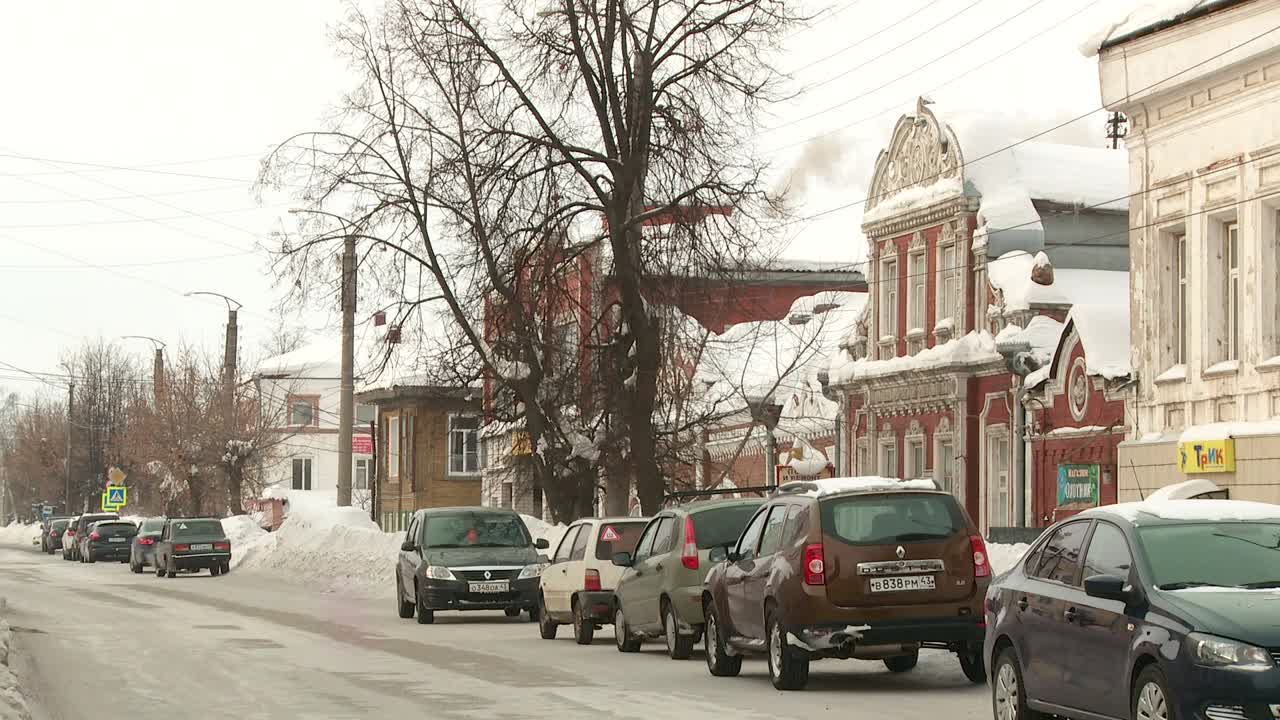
[[131, 196], [874, 33], [105, 166], [90, 223], [173, 261]]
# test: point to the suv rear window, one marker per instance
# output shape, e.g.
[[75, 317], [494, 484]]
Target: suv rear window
[[120, 529], [618, 537], [59, 525], [878, 519], [720, 527], [87, 520], [197, 528]]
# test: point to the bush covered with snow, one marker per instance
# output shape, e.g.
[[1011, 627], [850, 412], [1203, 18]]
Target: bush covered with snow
[[13, 706], [19, 534]]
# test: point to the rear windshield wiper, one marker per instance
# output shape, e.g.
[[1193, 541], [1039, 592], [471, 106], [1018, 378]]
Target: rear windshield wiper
[[1264, 585]]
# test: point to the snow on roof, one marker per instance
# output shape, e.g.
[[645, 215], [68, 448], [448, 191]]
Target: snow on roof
[[1184, 490], [1143, 18], [811, 265], [1042, 333], [320, 357], [869, 483], [1104, 331], [1207, 510], [1011, 275], [914, 198], [974, 347], [1225, 430]]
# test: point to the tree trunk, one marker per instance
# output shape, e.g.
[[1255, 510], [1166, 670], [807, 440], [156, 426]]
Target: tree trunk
[[235, 486]]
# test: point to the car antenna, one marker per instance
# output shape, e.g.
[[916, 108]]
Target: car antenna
[[1141, 495]]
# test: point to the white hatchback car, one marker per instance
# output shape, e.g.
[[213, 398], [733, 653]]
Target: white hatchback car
[[577, 587]]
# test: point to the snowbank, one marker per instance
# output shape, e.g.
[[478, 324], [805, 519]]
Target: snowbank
[[13, 706], [1001, 557], [972, 348], [541, 529], [19, 534]]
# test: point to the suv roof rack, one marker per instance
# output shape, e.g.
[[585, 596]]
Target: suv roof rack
[[694, 494]]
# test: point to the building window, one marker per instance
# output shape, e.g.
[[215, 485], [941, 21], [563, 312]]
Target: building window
[[889, 299], [302, 473], [506, 495], [302, 411], [889, 457], [945, 466], [1232, 280], [915, 458], [1180, 299], [464, 451], [949, 287], [916, 281], [864, 459], [393, 447], [409, 454], [537, 502], [564, 350], [998, 480], [364, 470]]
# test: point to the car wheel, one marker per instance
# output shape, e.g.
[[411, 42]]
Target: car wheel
[[226, 567], [788, 666], [719, 661], [972, 664], [584, 631], [214, 569], [627, 641], [534, 614], [902, 663], [89, 557], [426, 615], [404, 608], [1151, 698], [679, 647], [1008, 695], [159, 567], [547, 627], [135, 568], [171, 569]]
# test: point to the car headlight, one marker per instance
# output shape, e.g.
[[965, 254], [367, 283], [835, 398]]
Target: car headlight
[[1212, 651], [439, 572], [530, 571]]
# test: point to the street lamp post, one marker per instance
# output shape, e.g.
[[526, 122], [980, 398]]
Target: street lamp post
[[157, 367], [229, 377]]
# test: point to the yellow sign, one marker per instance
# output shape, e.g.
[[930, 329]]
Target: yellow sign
[[521, 444], [1207, 456], [115, 476]]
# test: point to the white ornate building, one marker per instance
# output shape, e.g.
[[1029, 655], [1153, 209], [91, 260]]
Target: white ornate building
[[1201, 91]]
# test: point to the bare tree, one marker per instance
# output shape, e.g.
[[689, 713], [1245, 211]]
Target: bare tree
[[108, 382], [483, 150]]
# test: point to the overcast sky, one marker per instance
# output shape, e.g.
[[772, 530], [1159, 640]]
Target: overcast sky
[[194, 94]]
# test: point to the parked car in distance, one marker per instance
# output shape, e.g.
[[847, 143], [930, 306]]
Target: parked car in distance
[[467, 558], [79, 529], [866, 568], [577, 587], [51, 535], [1162, 610], [660, 589], [69, 537], [143, 548], [192, 544], [107, 540]]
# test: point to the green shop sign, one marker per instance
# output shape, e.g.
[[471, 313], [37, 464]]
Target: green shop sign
[[1077, 486]]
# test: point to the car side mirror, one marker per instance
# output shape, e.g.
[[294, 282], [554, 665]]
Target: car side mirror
[[408, 546], [622, 559], [718, 554], [541, 544], [732, 555], [1108, 587]]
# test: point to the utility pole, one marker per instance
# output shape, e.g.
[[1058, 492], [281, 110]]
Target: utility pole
[[71, 398], [229, 379], [1117, 128], [346, 409]]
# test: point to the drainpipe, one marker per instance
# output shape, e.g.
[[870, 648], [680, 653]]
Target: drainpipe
[[824, 379]]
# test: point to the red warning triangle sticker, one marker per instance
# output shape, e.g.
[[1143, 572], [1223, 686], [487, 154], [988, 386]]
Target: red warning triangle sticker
[[610, 535]]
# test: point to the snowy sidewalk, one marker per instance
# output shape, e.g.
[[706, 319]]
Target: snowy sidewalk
[[13, 706]]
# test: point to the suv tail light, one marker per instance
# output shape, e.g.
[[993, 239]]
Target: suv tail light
[[815, 568], [591, 582], [72, 533], [981, 568], [53, 533], [181, 548], [689, 556], [94, 535], [224, 546], [146, 541]]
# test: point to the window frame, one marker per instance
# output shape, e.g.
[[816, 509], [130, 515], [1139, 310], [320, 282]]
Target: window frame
[[915, 443], [941, 468], [1231, 287], [362, 465], [948, 293], [578, 551], [1088, 546], [999, 434], [313, 401], [1178, 285], [1084, 542], [393, 447], [762, 515], [566, 543], [780, 512], [307, 475], [450, 455], [889, 290], [650, 532], [887, 447], [917, 291]]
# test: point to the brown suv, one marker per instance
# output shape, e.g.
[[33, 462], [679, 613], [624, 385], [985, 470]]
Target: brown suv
[[865, 568]]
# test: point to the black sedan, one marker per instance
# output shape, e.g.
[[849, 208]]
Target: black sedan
[[1159, 610]]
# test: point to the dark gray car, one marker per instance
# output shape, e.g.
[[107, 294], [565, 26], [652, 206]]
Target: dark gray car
[[80, 530], [467, 558], [143, 551]]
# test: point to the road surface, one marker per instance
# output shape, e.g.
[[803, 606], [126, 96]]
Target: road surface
[[249, 645]]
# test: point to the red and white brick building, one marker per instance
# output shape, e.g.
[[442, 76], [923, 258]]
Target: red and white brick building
[[951, 246]]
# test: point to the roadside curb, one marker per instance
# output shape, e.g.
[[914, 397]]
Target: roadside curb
[[13, 705]]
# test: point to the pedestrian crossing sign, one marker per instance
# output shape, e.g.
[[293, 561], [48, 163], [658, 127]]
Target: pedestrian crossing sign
[[115, 497]]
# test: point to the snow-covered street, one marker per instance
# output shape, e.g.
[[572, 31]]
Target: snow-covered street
[[254, 645]]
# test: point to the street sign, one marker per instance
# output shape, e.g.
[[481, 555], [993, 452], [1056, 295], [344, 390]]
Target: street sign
[[46, 512], [114, 498], [115, 476], [362, 444]]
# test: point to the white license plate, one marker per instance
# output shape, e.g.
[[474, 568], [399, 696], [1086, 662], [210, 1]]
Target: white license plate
[[490, 587], [902, 583], [116, 539], [202, 546]]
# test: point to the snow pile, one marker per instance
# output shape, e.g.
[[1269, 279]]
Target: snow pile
[[13, 706], [1104, 331], [1224, 430], [868, 483], [1002, 557], [971, 348], [320, 508], [321, 357], [1010, 273], [19, 534], [543, 530], [242, 530], [1208, 510], [913, 198], [1137, 17]]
